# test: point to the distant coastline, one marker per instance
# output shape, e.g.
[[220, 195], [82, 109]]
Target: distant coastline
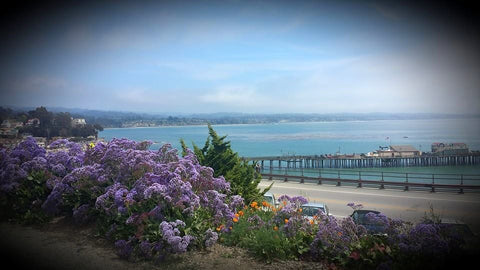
[[122, 119], [282, 122]]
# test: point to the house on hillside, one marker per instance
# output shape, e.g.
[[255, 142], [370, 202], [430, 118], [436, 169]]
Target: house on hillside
[[78, 122], [9, 128], [34, 122], [8, 132], [8, 123]]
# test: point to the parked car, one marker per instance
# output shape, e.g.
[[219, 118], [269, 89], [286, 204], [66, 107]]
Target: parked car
[[363, 217], [270, 199], [309, 210], [457, 229]]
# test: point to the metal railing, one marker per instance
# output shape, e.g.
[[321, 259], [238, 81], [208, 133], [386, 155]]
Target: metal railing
[[382, 179]]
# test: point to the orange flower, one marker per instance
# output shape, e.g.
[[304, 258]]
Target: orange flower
[[264, 203], [339, 233], [230, 227], [235, 219], [311, 221], [286, 220], [300, 210], [220, 227], [275, 228], [253, 204], [284, 203], [240, 213], [237, 215]]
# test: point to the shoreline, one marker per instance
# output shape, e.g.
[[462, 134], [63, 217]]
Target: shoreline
[[289, 122]]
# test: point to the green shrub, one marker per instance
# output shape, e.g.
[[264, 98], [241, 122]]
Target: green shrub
[[218, 154], [26, 203], [270, 233]]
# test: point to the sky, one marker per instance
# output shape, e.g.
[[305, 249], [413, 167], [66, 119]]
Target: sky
[[242, 56]]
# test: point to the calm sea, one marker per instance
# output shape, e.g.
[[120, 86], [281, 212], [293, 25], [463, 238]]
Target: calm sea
[[315, 138]]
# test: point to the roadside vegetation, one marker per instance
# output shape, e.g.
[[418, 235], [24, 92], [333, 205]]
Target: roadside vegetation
[[218, 155], [152, 204]]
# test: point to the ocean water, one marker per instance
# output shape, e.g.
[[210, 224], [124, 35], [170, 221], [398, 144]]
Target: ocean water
[[314, 138]]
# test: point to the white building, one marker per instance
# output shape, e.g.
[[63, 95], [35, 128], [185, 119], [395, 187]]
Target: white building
[[78, 122], [399, 151], [11, 124]]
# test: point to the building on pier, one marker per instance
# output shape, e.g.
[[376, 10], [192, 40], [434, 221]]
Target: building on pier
[[449, 148], [398, 151]]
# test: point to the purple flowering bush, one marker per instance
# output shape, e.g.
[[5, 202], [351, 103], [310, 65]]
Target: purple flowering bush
[[23, 182], [159, 199], [150, 203], [334, 237]]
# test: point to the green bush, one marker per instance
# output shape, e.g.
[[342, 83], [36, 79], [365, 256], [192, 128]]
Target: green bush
[[270, 233], [25, 204], [218, 154]]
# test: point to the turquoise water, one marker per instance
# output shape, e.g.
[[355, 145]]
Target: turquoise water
[[322, 138], [328, 138], [315, 138]]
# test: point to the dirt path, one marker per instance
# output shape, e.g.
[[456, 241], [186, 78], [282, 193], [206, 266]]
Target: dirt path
[[61, 245]]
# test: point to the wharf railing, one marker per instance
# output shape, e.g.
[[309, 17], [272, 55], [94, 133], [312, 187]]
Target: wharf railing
[[361, 161], [380, 179]]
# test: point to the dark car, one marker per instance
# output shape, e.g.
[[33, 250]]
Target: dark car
[[372, 220], [459, 231]]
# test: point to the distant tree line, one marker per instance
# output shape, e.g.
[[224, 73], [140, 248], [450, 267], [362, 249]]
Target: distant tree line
[[116, 119], [50, 124]]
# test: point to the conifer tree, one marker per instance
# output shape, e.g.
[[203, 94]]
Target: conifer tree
[[218, 154]]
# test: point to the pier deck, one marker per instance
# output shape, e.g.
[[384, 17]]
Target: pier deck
[[344, 161]]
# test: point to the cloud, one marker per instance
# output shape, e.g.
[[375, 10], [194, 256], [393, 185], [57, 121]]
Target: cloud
[[38, 83]]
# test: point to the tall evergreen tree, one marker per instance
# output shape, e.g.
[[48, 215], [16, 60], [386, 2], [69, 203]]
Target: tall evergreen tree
[[218, 154]]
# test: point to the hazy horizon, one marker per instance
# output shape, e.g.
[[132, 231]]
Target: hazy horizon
[[84, 110], [260, 57]]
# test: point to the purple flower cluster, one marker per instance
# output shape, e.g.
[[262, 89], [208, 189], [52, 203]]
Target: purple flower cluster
[[355, 206], [171, 235], [255, 222], [424, 239], [211, 238], [17, 163], [236, 203], [334, 236], [289, 207], [296, 201]]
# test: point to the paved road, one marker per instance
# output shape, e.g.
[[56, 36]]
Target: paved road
[[406, 205]]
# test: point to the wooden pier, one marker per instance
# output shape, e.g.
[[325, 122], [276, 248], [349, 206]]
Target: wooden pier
[[344, 161]]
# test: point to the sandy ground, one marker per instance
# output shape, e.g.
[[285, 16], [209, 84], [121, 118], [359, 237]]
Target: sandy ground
[[61, 245]]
